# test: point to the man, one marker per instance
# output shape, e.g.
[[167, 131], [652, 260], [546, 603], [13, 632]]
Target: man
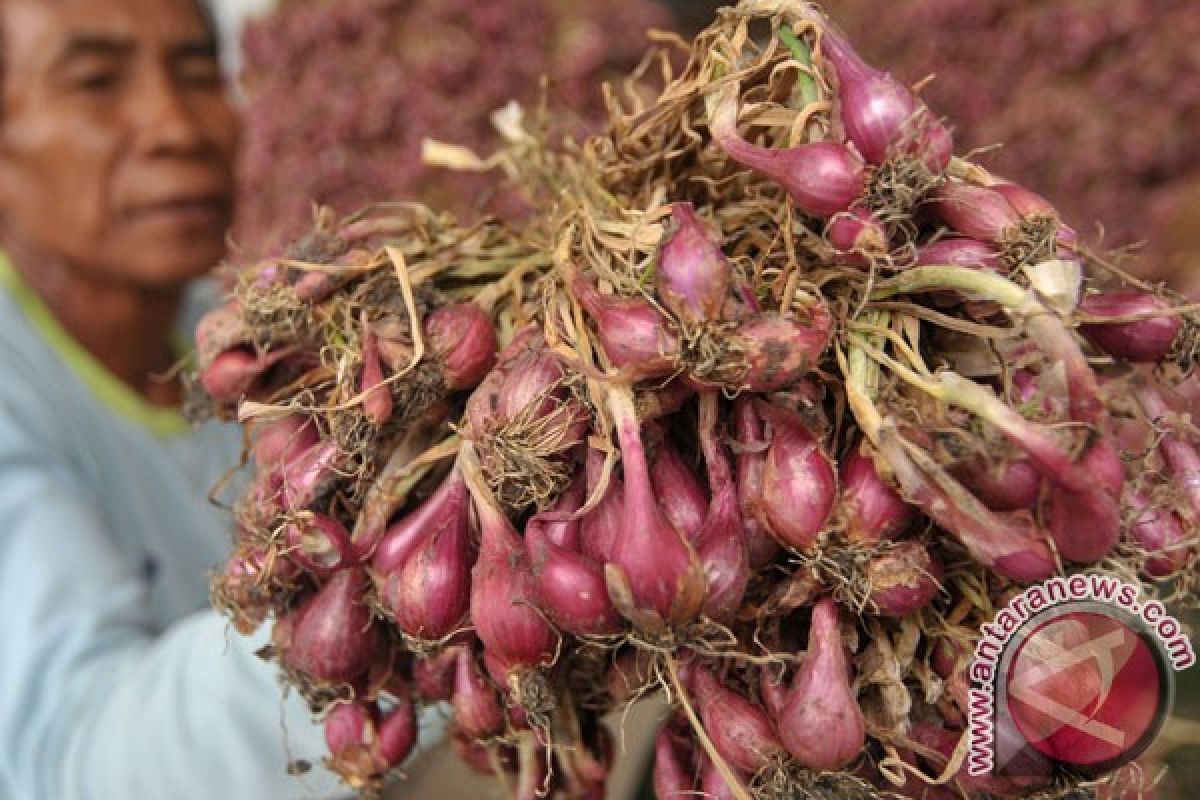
[[116, 681]]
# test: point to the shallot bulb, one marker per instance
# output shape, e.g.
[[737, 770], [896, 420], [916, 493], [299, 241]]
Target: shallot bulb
[[959, 252], [377, 395], [680, 493], [632, 333], [781, 350], [882, 117], [463, 340], [977, 212], [651, 561], [1161, 533], [423, 576], [903, 579], [693, 274], [599, 529], [674, 775], [476, 703], [858, 233], [740, 730], [1145, 341], [822, 178], [571, 588], [873, 510], [364, 743], [319, 543], [822, 725], [333, 637], [278, 441], [504, 594], [799, 486], [720, 543], [308, 473], [761, 547]]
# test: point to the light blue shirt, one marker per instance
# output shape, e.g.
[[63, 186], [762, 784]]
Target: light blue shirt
[[117, 681]]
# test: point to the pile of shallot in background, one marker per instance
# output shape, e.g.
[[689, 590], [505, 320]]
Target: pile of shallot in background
[[764, 409]]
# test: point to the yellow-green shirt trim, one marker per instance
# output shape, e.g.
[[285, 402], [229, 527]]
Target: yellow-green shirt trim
[[104, 386]]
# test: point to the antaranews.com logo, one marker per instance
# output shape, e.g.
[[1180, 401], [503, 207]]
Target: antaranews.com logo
[[1077, 670]]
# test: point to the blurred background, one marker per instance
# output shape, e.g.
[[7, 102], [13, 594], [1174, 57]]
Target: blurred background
[[1092, 103]]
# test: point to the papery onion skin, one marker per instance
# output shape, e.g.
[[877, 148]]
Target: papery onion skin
[[903, 579], [463, 339]]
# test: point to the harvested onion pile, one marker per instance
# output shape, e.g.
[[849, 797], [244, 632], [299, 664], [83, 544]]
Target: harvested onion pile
[[766, 409]]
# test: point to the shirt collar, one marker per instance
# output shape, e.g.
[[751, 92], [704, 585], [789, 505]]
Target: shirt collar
[[104, 386]]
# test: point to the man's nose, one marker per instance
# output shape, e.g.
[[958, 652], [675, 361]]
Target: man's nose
[[166, 123]]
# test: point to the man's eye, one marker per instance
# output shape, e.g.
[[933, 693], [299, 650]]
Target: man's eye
[[204, 74], [98, 81]]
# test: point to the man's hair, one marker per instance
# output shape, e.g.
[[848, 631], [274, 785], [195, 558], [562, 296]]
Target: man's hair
[[207, 16]]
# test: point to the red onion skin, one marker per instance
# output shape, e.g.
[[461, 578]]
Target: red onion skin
[[976, 212], [556, 525], [882, 117], [1011, 543], [320, 544], [531, 381], [775, 690], [1086, 524], [720, 544], [874, 511], [659, 564], [632, 333], [463, 340], [713, 785], [721, 549], [781, 350], [429, 594], [822, 725], [352, 736], [571, 588], [857, 233], [477, 709], [822, 178], [278, 441], [377, 404], [305, 474], [1009, 486], [335, 638], [693, 274], [434, 675], [398, 732], [959, 252], [1026, 202], [598, 529], [232, 374], [761, 547], [681, 496], [504, 596], [1146, 341], [944, 742], [674, 777], [903, 579], [799, 486], [1160, 532], [1181, 456], [392, 548], [740, 730]]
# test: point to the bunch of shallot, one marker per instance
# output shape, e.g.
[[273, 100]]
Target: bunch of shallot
[[765, 411]]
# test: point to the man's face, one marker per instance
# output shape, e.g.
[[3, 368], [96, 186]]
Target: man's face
[[116, 138]]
